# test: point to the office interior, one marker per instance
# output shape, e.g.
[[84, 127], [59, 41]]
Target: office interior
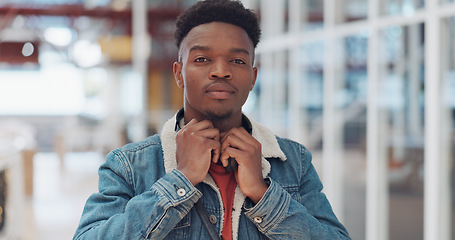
[[368, 86]]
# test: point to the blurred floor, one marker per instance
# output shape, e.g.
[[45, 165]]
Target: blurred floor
[[60, 191]]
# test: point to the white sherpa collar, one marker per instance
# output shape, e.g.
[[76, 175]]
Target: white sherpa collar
[[270, 149]]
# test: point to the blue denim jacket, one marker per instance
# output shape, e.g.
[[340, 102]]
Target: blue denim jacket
[[142, 196]]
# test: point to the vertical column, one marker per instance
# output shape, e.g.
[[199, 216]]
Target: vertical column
[[449, 55], [266, 90], [272, 24], [273, 17], [415, 57], [332, 156], [295, 13], [398, 117], [114, 121], [279, 92], [377, 194], [446, 135], [141, 50], [437, 221], [15, 197], [296, 128]]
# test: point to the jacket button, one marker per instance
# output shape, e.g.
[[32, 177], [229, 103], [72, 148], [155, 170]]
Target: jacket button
[[181, 192], [257, 219], [212, 219]]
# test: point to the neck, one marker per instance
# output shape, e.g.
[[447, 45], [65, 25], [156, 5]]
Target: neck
[[223, 123], [227, 124]]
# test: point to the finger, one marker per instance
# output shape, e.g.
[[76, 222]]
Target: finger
[[217, 137], [229, 152], [214, 149], [211, 133], [215, 155], [230, 141], [240, 133], [242, 140], [198, 126], [192, 122], [187, 126], [194, 127], [217, 151], [224, 159], [238, 142]]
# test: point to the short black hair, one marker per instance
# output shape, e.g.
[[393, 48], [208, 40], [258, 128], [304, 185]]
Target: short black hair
[[232, 12]]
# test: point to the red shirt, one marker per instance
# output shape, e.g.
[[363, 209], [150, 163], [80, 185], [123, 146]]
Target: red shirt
[[227, 184]]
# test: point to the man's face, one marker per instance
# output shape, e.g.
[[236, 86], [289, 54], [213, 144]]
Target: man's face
[[215, 70]]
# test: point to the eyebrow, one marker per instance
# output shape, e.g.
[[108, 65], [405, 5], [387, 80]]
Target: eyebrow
[[239, 50], [199, 47], [232, 50]]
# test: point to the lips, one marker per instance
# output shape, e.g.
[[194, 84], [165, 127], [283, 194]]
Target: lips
[[220, 91]]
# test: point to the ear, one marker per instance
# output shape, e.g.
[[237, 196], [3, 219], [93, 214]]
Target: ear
[[178, 74], [255, 76]]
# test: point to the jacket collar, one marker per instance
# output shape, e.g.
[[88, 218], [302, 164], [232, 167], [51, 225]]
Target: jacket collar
[[270, 149], [270, 146]]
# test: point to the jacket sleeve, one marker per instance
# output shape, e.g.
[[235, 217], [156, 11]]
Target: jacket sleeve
[[116, 212], [279, 216]]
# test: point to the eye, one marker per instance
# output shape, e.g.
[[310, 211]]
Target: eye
[[201, 59], [238, 61]]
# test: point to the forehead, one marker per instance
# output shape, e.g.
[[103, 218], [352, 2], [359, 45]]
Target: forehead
[[217, 36]]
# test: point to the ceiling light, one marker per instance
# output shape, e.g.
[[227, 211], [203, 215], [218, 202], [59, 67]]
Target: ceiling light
[[86, 53], [28, 49], [58, 36]]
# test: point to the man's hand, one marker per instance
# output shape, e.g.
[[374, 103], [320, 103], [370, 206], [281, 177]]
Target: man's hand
[[247, 151], [195, 144]]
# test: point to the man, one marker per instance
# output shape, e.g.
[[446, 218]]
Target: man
[[174, 185]]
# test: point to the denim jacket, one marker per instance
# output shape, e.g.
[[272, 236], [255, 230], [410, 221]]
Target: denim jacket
[[143, 196]]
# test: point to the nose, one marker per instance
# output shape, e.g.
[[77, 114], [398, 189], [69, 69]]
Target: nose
[[220, 70]]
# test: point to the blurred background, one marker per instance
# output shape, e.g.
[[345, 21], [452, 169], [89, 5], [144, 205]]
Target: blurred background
[[367, 85]]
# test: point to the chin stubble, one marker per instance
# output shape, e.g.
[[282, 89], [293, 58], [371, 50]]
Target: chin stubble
[[217, 117]]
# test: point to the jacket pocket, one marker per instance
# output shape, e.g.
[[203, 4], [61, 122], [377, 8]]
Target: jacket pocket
[[181, 230], [185, 222], [294, 192]]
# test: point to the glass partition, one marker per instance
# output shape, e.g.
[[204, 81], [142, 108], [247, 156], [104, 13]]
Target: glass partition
[[354, 10], [329, 40], [401, 113], [311, 77], [272, 91], [351, 98], [347, 138], [400, 7], [312, 14]]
